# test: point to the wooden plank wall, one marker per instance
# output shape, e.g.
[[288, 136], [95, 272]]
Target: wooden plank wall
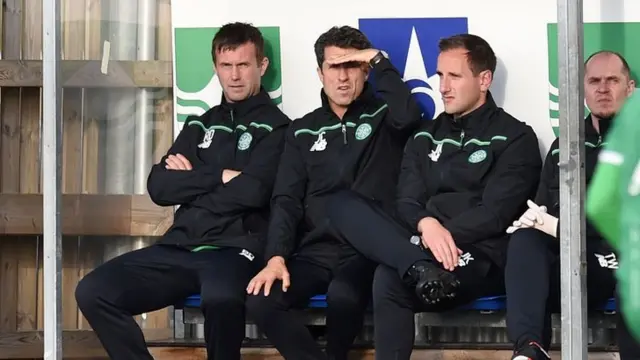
[[21, 298]]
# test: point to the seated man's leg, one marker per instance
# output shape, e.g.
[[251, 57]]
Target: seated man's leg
[[348, 298], [395, 303], [532, 286], [224, 275], [134, 283], [372, 231], [601, 277], [382, 239], [273, 315]]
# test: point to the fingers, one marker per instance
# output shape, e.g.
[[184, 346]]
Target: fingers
[[446, 254], [286, 281], [173, 163], [267, 285], [339, 59], [512, 229], [527, 220], [178, 162], [441, 256], [185, 162], [531, 217], [255, 285], [453, 251], [432, 247]]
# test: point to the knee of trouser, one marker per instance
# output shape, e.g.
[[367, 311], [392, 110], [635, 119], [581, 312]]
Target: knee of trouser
[[350, 297], [525, 241], [88, 293], [260, 308], [220, 300], [386, 285]]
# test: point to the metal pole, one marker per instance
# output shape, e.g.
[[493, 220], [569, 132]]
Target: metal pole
[[144, 104], [120, 126], [144, 112], [52, 173], [572, 180], [119, 151]]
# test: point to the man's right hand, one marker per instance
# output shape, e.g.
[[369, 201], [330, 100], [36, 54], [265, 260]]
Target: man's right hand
[[275, 270], [440, 242]]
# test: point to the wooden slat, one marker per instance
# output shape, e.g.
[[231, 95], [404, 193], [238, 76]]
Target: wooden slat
[[12, 31], [10, 139], [84, 345], [125, 215], [75, 344], [9, 282], [87, 74], [193, 353], [32, 30], [26, 250]]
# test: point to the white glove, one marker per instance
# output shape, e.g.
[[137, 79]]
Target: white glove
[[536, 217]]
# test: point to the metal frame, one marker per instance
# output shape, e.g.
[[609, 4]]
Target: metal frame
[[572, 187], [52, 173], [572, 180]]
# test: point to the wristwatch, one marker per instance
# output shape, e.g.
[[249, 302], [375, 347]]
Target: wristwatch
[[377, 58]]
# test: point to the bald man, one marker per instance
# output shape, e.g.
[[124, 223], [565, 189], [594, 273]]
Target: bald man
[[533, 257]]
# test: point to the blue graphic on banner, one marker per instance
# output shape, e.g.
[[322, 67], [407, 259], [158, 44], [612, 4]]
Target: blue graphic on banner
[[412, 46]]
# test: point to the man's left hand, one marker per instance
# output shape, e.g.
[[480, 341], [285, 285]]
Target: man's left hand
[[178, 162], [228, 175], [361, 56], [536, 217]]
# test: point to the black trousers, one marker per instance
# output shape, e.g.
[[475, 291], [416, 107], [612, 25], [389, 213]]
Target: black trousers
[[376, 235], [348, 289], [158, 276], [533, 284]]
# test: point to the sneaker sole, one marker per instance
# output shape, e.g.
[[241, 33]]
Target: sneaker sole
[[441, 287]]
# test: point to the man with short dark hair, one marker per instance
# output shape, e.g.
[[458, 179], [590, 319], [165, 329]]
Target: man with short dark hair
[[465, 176], [533, 266], [353, 142], [220, 171]]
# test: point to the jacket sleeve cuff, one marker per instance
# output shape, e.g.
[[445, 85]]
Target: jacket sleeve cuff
[[383, 64], [419, 216], [279, 250]]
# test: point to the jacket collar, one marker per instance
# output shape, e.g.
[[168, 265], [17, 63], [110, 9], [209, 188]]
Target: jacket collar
[[475, 118], [590, 130], [247, 105]]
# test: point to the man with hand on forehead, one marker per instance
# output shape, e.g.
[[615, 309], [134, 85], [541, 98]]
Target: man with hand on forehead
[[353, 142]]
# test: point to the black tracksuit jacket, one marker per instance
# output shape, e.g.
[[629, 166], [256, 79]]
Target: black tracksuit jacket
[[324, 154], [474, 174], [549, 190], [247, 136]]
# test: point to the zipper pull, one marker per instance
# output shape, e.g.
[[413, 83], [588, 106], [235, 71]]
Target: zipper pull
[[599, 140], [461, 138], [344, 133]]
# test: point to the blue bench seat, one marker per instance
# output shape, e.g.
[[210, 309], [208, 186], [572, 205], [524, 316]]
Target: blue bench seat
[[491, 303]]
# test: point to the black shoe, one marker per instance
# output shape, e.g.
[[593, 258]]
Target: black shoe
[[432, 283], [532, 351]]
